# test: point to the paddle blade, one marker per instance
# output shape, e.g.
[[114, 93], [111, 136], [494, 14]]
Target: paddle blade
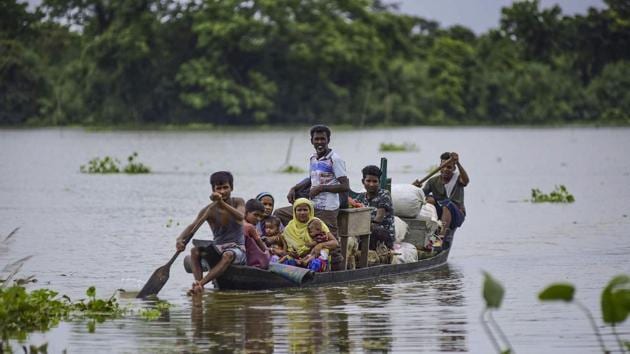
[[156, 282]]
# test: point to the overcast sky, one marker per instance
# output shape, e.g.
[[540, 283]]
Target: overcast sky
[[478, 15]]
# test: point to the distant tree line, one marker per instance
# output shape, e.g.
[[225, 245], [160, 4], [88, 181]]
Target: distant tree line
[[137, 62]]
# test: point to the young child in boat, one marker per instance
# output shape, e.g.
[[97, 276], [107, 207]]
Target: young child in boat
[[317, 260], [253, 214], [273, 239]]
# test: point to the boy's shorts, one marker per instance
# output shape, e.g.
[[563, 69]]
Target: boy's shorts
[[240, 258], [212, 253]]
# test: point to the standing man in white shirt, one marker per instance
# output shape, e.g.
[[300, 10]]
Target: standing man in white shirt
[[328, 178]]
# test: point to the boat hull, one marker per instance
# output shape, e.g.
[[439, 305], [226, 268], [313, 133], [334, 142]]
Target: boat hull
[[249, 278], [238, 277]]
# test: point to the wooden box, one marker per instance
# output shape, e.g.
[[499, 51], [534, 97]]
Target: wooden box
[[354, 221]]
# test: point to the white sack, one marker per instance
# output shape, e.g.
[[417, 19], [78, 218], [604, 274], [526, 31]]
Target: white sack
[[428, 214], [407, 200], [404, 253], [401, 229]]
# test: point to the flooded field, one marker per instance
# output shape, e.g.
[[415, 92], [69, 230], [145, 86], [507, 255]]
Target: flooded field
[[112, 231]]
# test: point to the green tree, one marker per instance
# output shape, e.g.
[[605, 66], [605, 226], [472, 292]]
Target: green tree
[[609, 94], [21, 75], [535, 31], [125, 72]]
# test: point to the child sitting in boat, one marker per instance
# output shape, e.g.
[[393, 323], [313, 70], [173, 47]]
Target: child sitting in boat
[[256, 250], [268, 202], [273, 239], [317, 259]]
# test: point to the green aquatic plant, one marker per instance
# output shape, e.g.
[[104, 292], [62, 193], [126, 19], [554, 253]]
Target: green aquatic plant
[[105, 165], [292, 169], [393, 147], [158, 309], [110, 164], [134, 167], [23, 312], [493, 293], [150, 314], [559, 195], [98, 309], [615, 306]]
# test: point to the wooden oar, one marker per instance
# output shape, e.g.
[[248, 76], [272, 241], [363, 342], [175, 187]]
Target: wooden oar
[[160, 276], [418, 183]]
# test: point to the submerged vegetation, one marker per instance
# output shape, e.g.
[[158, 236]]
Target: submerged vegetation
[[352, 62], [155, 312], [559, 195], [292, 169], [615, 308], [112, 165], [393, 147]]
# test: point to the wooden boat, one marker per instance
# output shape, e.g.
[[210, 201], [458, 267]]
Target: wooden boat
[[352, 223], [238, 277]]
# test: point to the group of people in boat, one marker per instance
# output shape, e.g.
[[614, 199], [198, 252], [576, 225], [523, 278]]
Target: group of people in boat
[[304, 234]]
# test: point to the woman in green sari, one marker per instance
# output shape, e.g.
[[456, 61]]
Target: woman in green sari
[[299, 243]]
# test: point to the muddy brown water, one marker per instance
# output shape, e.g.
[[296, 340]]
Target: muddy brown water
[[112, 231]]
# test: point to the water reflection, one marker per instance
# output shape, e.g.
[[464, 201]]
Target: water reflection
[[232, 322], [405, 313]]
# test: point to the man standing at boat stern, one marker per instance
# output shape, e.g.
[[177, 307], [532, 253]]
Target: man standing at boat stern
[[328, 180]]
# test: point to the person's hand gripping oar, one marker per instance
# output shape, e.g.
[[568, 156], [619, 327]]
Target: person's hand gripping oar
[[160, 276], [419, 183]]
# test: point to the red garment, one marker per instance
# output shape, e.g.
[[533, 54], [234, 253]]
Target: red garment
[[250, 230], [255, 256]]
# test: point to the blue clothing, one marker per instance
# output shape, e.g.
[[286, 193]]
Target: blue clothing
[[457, 217]]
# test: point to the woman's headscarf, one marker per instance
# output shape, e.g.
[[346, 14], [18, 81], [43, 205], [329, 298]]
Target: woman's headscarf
[[260, 226], [296, 232], [260, 196]]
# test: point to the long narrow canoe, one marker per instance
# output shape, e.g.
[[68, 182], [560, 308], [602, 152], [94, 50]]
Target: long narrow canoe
[[250, 278], [238, 277]]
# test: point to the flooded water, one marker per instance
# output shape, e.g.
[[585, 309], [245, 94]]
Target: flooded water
[[112, 231]]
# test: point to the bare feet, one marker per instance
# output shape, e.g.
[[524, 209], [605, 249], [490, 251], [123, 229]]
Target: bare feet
[[197, 288]]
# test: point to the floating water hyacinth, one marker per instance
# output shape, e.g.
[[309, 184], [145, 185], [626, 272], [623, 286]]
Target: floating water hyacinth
[[559, 195], [110, 164], [393, 147]]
